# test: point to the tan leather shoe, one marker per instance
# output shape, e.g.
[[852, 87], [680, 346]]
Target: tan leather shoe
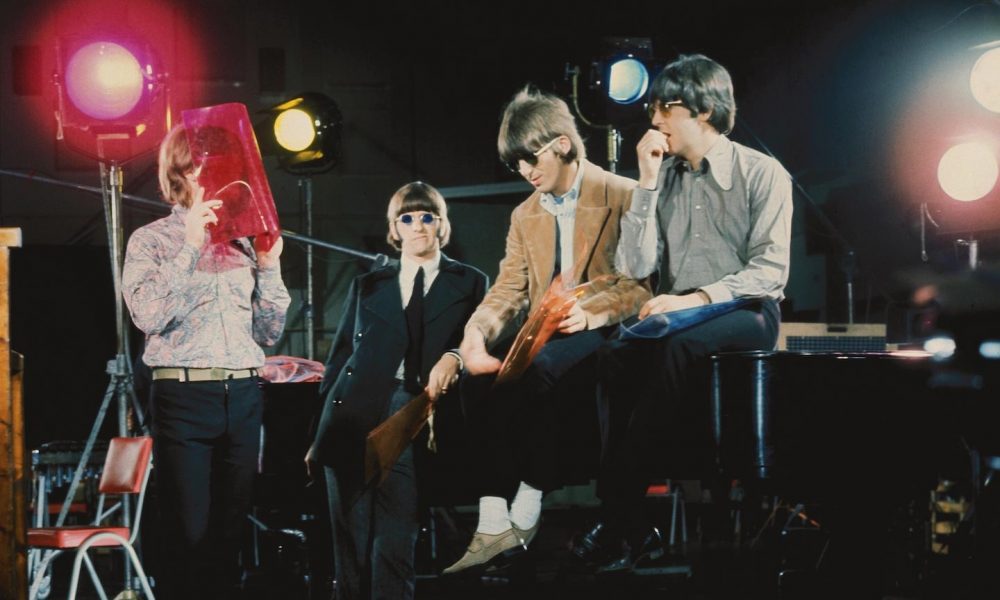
[[485, 547], [526, 535]]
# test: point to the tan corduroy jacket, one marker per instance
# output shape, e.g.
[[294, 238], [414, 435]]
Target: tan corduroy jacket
[[526, 269]]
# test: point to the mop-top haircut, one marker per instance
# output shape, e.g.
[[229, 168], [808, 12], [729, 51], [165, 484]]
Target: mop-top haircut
[[418, 196], [532, 119], [703, 85]]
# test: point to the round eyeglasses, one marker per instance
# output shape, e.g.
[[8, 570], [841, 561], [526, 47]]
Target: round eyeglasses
[[514, 164], [426, 218]]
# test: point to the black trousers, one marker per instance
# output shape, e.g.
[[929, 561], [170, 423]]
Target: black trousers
[[206, 440], [653, 397], [514, 427], [374, 539]]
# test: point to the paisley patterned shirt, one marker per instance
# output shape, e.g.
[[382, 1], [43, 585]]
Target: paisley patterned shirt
[[207, 308]]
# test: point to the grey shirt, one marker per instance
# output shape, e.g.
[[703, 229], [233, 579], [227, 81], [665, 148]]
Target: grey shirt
[[725, 229]]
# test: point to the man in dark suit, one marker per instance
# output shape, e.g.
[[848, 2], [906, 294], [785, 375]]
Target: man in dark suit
[[397, 336]]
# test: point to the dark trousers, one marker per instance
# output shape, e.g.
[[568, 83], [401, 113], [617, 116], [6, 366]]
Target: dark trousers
[[514, 426], [206, 440], [653, 393], [374, 539]]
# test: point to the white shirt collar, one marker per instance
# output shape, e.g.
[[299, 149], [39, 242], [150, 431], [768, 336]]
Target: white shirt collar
[[408, 267]]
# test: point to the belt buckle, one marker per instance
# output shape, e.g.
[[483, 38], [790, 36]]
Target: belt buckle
[[217, 373]]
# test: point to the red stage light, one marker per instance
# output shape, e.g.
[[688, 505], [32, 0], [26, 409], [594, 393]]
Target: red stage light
[[104, 80], [945, 150], [968, 171], [109, 84], [162, 38]]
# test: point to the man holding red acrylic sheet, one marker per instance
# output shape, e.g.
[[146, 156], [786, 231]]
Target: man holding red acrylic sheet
[[206, 309]]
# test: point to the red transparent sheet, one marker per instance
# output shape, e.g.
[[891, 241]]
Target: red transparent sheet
[[543, 321], [227, 160], [385, 443]]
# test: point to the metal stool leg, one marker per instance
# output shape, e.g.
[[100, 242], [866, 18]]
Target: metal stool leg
[[93, 578], [81, 556]]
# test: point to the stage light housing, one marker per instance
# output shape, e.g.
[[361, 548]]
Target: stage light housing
[[628, 80], [304, 133], [984, 80], [968, 171], [108, 84], [619, 82], [294, 130], [104, 80]]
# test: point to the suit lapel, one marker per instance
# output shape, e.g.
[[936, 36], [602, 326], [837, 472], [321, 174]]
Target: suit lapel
[[444, 291], [591, 216], [385, 300]]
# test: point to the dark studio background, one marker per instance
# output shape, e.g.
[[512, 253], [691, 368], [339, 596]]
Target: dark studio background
[[421, 86]]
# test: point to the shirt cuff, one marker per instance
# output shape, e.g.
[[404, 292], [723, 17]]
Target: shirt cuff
[[458, 357], [644, 202], [718, 292]]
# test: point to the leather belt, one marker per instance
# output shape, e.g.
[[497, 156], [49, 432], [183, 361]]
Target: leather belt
[[191, 374]]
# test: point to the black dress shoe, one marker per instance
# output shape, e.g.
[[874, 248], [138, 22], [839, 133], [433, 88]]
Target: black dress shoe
[[629, 554], [597, 545]]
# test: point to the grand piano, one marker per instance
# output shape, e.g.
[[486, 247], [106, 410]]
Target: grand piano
[[810, 424], [857, 437]]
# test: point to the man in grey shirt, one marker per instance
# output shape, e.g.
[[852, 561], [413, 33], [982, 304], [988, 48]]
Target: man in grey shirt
[[713, 218]]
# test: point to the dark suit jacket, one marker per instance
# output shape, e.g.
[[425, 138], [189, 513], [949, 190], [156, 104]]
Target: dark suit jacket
[[368, 349]]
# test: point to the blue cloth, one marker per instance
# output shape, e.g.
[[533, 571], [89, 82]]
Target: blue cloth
[[659, 325]]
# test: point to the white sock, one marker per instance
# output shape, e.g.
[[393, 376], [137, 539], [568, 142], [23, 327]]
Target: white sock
[[526, 507], [493, 516]]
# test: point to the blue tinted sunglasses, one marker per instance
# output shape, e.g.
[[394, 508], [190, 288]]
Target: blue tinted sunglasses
[[425, 218]]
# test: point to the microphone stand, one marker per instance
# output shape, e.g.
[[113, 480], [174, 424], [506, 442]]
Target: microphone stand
[[848, 262], [378, 259]]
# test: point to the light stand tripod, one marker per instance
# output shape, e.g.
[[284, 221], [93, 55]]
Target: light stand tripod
[[305, 194], [614, 137], [120, 387], [112, 117], [119, 368]]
